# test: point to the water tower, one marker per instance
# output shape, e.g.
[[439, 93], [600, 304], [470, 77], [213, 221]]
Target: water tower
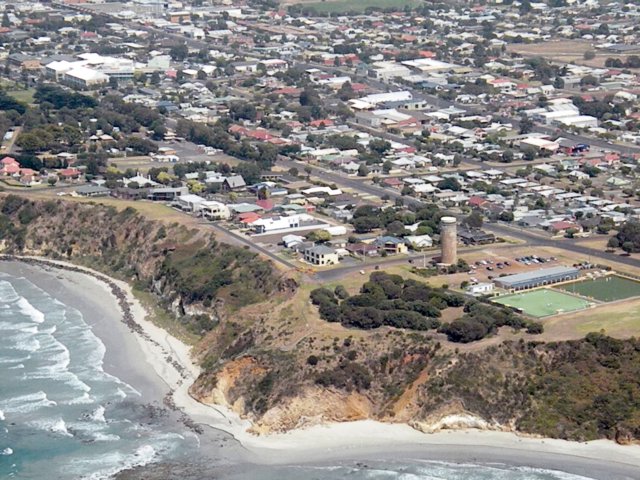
[[448, 240]]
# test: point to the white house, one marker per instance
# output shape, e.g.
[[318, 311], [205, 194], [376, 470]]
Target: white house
[[321, 255], [214, 210], [480, 288], [418, 242], [189, 203]]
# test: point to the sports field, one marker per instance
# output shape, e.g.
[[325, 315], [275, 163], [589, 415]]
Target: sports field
[[543, 303], [604, 289]]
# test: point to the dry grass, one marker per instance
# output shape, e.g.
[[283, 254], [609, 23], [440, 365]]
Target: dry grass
[[564, 51]]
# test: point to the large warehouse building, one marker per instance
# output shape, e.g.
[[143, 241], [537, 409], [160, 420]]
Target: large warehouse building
[[545, 276]]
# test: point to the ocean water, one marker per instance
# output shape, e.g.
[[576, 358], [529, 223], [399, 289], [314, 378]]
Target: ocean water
[[407, 470], [61, 415]]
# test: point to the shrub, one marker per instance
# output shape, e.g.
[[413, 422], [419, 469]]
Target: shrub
[[341, 292]]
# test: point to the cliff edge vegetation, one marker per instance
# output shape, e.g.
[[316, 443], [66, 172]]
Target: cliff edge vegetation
[[268, 352]]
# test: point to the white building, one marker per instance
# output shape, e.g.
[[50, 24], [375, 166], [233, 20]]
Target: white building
[[321, 255], [480, 288], [189, 203], [214, 210], [83, 77], [274, 224]]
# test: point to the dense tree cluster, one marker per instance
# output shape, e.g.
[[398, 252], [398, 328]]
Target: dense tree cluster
[[61, 98], [264, 154], [7, 102], [393, 301], [632, 61], [482, 319], [386, 300], [367, 218], [627, 238]]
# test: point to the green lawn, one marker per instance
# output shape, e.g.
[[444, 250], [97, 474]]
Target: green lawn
[[605, 289], [24, 96], [343, 6], [543, 303]]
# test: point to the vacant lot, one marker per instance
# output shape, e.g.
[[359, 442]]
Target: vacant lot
[[605, 289], [343, 6], [543, 303], [564, 51]]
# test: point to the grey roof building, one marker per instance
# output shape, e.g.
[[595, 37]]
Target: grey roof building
[[538, 278]]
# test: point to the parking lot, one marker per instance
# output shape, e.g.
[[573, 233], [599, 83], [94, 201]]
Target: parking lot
[[487, 268]]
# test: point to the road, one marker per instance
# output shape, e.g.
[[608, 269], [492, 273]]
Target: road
[[252, 245], [534, 239], [531, 238], [369, 189]]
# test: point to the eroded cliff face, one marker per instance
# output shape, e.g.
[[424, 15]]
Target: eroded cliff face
[[265, 352], [193, 276]]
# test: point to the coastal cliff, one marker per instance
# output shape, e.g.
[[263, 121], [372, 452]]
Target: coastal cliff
[[265, 352]]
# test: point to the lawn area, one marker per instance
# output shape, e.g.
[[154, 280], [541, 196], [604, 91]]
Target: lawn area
[[24, 96], [343, 6], [543, 303], [605, 289]]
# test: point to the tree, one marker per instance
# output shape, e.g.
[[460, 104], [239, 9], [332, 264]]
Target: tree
[[589, 55], [155, 78], [363, 171], [558, 83], [506, 216], [5, 20], [164, 178], [589, 80], [179, 52], [113, 83], [474, 220], [529, 153], [263, 193], [450, 183], [526, 125], [319, 236], [52, 180]]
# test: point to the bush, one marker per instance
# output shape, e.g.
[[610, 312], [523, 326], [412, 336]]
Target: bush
[[464, 330], [535, 328], [322, 295], [341, 292]]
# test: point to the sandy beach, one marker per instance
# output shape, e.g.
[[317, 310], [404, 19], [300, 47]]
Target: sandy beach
[[156, 363]]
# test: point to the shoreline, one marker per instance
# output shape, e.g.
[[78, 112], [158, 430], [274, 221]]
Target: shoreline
[[362, 440]]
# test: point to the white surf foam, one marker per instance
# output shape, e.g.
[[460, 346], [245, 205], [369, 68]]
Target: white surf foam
[[26, 403], [105, 437], [27, 309], [83, 399], [110, 464], [52, 425], [98, 415], [2, 415], [7, 451]]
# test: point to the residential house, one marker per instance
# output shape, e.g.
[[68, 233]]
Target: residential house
[[321, 255], [234, 182], [391, 245]]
